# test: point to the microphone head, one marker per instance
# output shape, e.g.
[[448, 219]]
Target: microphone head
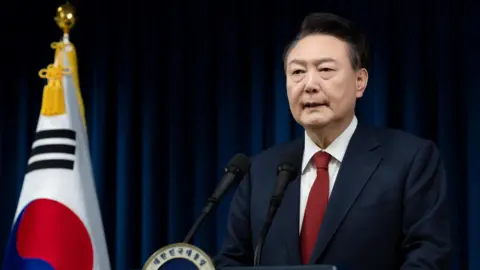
[[240, 163], [288, 162], [287, 171]]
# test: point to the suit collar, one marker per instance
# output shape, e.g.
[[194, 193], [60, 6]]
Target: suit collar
[[336, 149]]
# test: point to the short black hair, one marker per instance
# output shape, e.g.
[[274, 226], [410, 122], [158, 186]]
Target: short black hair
[[341, 28]]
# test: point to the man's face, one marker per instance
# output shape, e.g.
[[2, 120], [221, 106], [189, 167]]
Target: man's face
[[322, 86]]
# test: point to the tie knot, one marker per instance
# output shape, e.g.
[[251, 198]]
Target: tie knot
[[321, 159]]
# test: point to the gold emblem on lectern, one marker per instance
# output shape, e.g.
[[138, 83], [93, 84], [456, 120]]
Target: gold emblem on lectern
[[179, 256]]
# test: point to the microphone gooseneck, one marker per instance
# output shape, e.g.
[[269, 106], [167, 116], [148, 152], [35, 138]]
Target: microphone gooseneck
[[285, 174], [234, 172]]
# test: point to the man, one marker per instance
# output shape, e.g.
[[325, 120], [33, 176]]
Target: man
[[365, 198]]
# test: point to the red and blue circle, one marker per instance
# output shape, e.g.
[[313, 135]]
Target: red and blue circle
[[48, 235]]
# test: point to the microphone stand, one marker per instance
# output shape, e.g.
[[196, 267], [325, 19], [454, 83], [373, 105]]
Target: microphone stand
[[285, 174], [274, 203], [205, 211]]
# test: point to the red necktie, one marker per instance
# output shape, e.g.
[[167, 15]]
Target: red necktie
[[316, 206]]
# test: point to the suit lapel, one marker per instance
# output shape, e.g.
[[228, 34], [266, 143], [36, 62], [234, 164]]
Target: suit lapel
[[360, 161]]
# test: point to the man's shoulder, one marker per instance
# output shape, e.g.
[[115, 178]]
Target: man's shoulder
[[397, 137], [401, 143]]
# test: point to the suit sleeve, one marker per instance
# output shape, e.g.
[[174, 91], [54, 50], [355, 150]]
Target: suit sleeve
[[426, 215], [236, 249]]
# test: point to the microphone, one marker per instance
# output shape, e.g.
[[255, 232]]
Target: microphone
[[286, 172], [234, 172]]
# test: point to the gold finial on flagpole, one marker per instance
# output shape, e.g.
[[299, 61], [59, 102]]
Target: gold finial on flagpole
[[65, 17]]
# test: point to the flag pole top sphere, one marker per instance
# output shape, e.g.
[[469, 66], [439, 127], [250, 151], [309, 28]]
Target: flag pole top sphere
[[65, 17]]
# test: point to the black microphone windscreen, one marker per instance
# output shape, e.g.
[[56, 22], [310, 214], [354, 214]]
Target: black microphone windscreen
[[287, 171], [239, 162], [289, 162]]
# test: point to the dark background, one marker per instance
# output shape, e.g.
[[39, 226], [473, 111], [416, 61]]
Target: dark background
[[174, 89]]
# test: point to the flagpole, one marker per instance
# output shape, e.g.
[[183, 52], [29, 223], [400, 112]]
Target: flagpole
[[66, 19]]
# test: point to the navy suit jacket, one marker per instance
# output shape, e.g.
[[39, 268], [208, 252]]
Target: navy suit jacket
[[388, 208]]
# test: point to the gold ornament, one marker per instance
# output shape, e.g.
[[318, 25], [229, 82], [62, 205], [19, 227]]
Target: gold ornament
[[65, 17]]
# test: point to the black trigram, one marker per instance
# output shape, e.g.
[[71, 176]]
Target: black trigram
[[55, 141]]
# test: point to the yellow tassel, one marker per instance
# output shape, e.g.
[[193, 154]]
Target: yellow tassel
[[53, 96], [53, 102]]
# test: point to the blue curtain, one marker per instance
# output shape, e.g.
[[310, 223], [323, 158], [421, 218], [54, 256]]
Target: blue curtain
[[174, 89]]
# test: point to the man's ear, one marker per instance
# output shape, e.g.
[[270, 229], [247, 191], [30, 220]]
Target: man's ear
[[361, 83]]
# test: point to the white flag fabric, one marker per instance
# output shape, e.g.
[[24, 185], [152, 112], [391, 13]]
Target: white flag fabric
[[57, 224]]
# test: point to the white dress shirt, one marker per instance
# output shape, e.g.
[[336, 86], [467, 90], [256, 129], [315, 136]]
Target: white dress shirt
[[336, 150]]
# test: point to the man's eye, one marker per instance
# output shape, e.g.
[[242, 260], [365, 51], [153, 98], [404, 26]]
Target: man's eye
[[297, 71], [326, 69]]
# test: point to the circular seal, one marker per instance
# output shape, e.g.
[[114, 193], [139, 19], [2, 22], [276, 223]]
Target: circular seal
[[179, 256]]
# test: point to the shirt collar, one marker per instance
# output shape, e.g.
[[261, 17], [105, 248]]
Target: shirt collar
[[336, 149]]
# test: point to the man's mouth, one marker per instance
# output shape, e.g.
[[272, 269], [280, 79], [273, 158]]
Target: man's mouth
[[313, 104]]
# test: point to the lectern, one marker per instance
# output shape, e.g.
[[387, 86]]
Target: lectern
[[189, 257], [301, 267], [287, 267]]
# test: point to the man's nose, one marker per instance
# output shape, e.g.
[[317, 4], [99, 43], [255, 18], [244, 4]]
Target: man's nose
[[311, 85]]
